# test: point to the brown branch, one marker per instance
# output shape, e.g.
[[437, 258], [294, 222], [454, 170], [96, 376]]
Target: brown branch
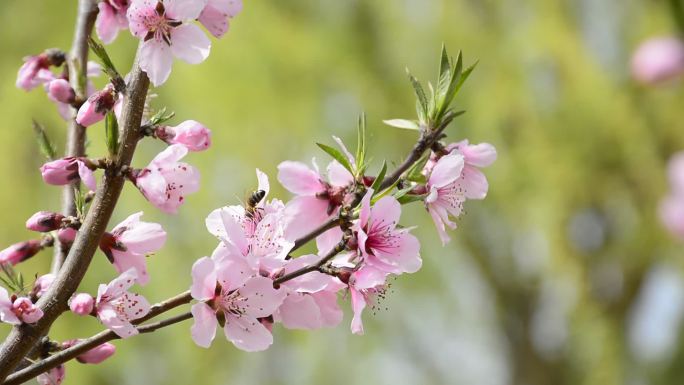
[[23, 337], [76, 134]]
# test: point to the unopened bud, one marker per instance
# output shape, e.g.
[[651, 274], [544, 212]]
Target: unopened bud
[[66, 236], [191, 134], [42, 284], [60, 90], [82, 304], [44, 221], [20, 252], [94, 355], [96, 107]]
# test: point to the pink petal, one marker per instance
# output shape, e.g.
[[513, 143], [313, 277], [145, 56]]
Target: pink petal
[[672, 214], [86, 176], [261, 299], [190, 44], [474, 183], [203, 330], [234, 232], [247, 333], [675, 172], [385, 212], [134, 305], [156, 60], [447, 170], [303, 214], [299, 179], [110, 318], [338, 175], [300, 311], [365, 212], [232, 271], [214, 20], [331, 314], [329, 239], [107, 24], [118, 286], [124, 261], [479, 155], [6, 313], [368, 277], [405, 257], [441, 230], [358, 302], [170, 155], [184, 9], [203, 279]]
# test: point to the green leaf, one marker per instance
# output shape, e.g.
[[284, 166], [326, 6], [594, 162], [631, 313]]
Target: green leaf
[[107, 64], [44, 143], [403, 123], [80, 203], [161, 117], [112, 133], [420, 94], [410, 198], [337, 155], [361, 144], [380, 178]]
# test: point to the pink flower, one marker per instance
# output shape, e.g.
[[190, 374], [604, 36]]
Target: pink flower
[[365, 285], [96, 107], [54, 376], [44, 221], [82, 304], [67, 170], [227, 284], [15, 310], [59, 90], [36, 69], [128, 245], [445, 195], [216, 15], [381, 244], [42, 284], [658, 60], [311, 301], [94, 355], [190, 134], [20, 252], [316, 199], [116, 307], [111, 19], [166, 181], [164, 26]]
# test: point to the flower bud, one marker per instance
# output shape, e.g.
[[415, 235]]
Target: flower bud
[[20, 252], [42, 284], [60, 90], [96, 107], [36, 69], [60, 172], [658, 60], [82, 304], [66, 236], [94, 355], [54, 376], [44, 221], [26, 310], [191, 134]]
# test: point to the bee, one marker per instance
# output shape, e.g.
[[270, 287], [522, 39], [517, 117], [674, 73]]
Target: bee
[[252, 203]]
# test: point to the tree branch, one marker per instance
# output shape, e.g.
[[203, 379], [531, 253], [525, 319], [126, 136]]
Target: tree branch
[[76, 134], [23, 337]]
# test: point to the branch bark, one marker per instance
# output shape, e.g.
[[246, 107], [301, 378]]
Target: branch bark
[[76, 134], [23, 337]]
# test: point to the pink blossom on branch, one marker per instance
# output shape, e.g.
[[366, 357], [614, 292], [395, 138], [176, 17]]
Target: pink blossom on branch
[[20, 252], [129, 243], [67, 170], [116, 307], [167, 31], [44, 221], [16, 310], [111, 19], [93, 356], [36, 69], [317, 198], [97, 105], [165, 181], [54, 376], [191, 134], [232, 290], [42, 284], [82, 304]]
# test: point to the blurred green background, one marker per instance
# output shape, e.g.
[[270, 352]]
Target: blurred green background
[[563, 275]]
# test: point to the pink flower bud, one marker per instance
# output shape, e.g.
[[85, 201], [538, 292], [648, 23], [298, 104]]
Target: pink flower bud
[[26, 311], [42, 284], [191, 134], [36, 69], [82, 304], [54, 376], [20, 252], [96, 107], [66, 236], [94, 355], [66, 170], [658, 60], [60, 90], [44, 221]]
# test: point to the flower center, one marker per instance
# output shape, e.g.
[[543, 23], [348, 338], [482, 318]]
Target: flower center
[[233, 302], [158, 25]]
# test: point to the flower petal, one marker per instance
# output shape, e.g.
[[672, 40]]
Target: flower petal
[[247, 333], [299, 179], [203, 279], [156, 60], [190, 44], [203, 330]]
